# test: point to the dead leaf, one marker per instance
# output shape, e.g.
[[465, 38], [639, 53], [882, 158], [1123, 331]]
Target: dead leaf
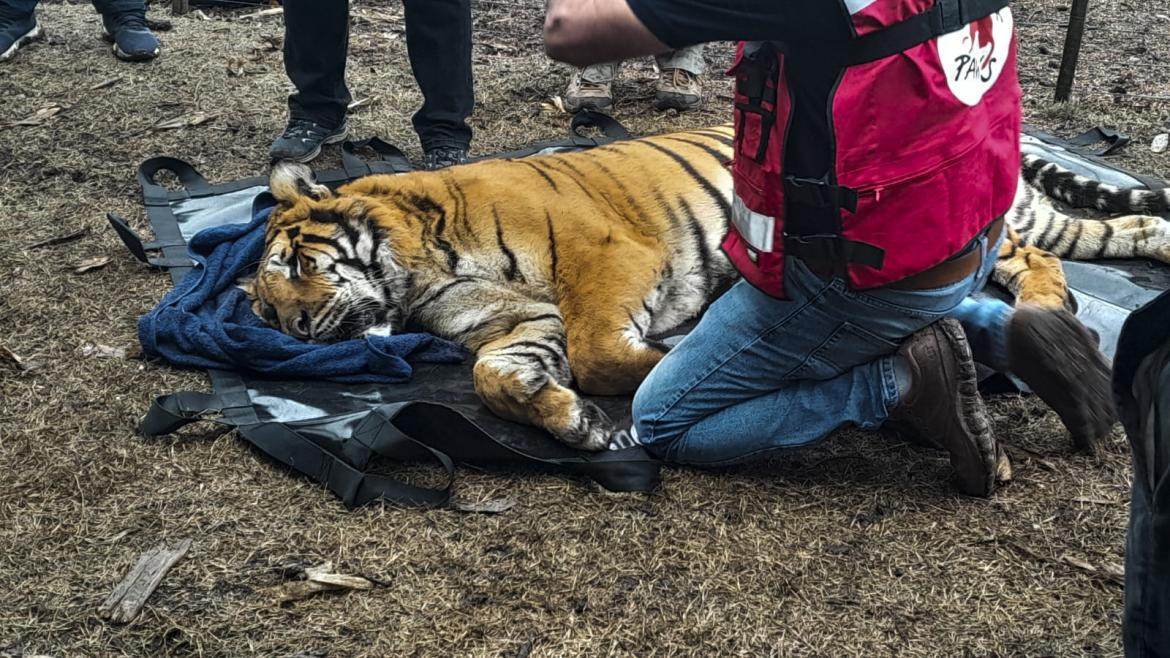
[[60, 239], [1020, 454], [364, 102], [127, 599], [494, 506], [201, 15], [91, 264], [272, 42], [235, 67], [40, 116], [1113, 573], [1160, 143], [105, 83], [103, 351], [559, 103]]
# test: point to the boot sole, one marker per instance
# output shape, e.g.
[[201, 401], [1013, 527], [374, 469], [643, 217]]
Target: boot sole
[[31, 35], [973, 416], [1060, 362]]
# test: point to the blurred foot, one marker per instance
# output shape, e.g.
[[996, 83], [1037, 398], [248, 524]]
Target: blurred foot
[[443, 156], [15, 32], [133, 41], [678, 90], [302, 140], [583, 94], [1057, 357]]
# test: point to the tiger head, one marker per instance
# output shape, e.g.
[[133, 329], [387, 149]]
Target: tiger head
[[328, 271]]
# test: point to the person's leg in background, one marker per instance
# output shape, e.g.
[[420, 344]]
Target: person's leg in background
[[18, 25], [591, 88], [1140, 380], [680, 79], [438, 39], [316, 43], [124, 23]]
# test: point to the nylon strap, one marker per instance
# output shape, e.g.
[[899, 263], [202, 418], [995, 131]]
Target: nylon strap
[[944, 17]]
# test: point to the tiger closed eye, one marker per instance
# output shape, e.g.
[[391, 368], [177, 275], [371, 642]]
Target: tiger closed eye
[[306, 264]]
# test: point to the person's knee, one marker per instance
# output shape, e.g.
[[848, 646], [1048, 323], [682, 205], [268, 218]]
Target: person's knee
[[652, 423]]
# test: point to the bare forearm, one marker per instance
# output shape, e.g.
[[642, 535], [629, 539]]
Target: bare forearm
[[583, 32]]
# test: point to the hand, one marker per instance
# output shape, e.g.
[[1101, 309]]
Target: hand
[[584, 32]]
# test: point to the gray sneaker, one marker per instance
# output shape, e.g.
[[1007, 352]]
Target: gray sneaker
[[679, 90], [302, 140], [583, 94]]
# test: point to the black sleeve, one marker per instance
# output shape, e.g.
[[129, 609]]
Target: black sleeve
[[679, 23]]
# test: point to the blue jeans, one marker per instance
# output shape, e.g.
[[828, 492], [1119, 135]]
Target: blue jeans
[[22, 8], [760, 374]]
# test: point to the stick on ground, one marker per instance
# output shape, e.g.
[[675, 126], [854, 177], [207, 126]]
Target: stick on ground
[[127, 599]]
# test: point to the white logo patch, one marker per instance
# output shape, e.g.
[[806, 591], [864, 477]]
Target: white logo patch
[[973, 56]]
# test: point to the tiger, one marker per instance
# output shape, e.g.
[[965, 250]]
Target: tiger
[[561, 271]]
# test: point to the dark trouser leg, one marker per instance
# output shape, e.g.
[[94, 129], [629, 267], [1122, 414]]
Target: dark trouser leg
[[316, 42], [438, 37], [1142, 386], [115, 7], [17, 8]]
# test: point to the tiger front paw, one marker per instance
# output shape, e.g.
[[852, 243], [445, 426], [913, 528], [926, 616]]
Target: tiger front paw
[[590, 429]]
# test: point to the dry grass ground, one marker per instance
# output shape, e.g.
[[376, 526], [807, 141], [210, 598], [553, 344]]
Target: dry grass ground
[[855, 547]]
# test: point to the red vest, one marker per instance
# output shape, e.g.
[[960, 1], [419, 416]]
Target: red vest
[[882, 156]]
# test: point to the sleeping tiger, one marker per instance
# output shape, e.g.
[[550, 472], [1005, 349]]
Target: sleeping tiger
[[559, 270]]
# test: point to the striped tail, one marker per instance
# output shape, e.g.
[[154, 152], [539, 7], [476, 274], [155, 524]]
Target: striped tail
[[1081, 192]]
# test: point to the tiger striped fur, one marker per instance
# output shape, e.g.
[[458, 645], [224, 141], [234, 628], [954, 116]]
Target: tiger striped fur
[[557, 271]]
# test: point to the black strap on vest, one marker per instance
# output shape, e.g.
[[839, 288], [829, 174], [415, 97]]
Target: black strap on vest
[[944, 17]]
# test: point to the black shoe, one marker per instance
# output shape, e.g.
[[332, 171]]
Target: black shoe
[[302, 140], [133, 41], [15, 32], [444, 156]]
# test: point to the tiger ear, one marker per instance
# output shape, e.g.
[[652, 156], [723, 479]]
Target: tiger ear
[[290, 181]]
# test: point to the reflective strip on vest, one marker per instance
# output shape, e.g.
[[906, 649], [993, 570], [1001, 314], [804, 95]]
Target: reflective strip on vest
[[756, 228]]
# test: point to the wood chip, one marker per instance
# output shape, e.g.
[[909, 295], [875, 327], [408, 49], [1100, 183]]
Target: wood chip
[[127, 599], [275, 11], [1021, 454], [90, 264], [364, 102], [60, 239], [39, 117], [495, 506], [9, 360], [1094, 501], [320, 578], [103, 351], [105, 83], [183, 121]]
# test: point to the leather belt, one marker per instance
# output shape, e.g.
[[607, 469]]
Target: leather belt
[[950, 271]]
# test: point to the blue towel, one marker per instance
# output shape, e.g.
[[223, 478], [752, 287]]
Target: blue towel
[[207, 322]]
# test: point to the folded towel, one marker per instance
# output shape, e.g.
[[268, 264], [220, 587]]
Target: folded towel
[[207, 322]]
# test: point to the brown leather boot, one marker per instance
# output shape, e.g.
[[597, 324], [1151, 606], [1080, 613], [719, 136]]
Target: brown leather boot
[[1057, 357], [942, 406]]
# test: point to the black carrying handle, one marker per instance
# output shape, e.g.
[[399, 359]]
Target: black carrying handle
[[138, 248], [1113, 140], [194, 184], [345, 475], [609, 126], [390, 160]]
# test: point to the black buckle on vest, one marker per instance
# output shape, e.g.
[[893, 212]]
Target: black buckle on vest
[[819, 193], [834, 251]]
